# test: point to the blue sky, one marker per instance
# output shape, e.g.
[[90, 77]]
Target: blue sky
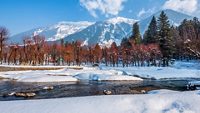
[[23, 15]]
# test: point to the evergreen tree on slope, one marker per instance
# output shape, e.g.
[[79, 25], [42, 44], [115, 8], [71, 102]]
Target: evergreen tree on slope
[[151, 35], [136, 37], [165, 39]]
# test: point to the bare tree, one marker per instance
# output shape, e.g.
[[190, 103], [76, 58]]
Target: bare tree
[[3, 38]]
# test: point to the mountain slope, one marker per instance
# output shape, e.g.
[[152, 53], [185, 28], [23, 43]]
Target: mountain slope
[[175, 18], [104, 32], [54, 32]]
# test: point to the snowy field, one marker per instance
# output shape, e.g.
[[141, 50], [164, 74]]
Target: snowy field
[[160, 101], [177, 71]]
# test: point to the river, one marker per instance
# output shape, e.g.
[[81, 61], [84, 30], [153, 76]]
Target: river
[[88, 88]]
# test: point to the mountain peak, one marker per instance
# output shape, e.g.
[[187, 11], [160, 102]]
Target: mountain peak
[[75, 23], [120, 20], [173, 13]]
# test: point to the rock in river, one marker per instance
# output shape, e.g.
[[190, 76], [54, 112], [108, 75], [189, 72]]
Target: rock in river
[[26, 95], [107, 92]]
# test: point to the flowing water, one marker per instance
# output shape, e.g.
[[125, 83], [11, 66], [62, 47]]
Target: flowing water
[[87, 88]]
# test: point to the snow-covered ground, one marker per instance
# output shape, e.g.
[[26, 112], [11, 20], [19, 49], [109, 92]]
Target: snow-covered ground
[[36, 76], [68, 75], [160, 101], [177, 71]]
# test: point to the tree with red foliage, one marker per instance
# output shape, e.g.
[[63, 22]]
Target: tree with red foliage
[[14, 49], [3, 38], [114, 55], [97, 53], [38, 49], [69, 55]]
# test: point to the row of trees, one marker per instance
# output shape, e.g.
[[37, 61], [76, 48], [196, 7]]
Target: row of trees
[[160, 43], [35, 51]]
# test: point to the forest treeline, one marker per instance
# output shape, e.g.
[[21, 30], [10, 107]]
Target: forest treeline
[[160, 44]]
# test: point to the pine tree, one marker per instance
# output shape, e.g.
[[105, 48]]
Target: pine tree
[[136, 34], [151, 35], [165, 39], [178, 42]]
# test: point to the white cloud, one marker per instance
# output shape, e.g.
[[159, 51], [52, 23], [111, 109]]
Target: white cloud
[[145, 13], [142, 12], [185, 6], [106, 7]]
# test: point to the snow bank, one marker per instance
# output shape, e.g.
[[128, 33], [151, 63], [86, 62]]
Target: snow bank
[[67, 75], [98, 75], [162, 101], [37, 76], [178, 70]]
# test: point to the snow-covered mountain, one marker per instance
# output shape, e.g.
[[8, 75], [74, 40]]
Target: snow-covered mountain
[[53, 32], [102, 32]]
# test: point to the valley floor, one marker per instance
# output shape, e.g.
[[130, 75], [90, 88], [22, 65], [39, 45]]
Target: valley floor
[[158, 101]]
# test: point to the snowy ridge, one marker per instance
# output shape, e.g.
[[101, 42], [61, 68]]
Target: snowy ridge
[[104, 32], [121, 20], [64, 29], [54, 32]]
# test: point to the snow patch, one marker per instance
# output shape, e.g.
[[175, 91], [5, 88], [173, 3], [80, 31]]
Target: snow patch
[[118, 20]]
